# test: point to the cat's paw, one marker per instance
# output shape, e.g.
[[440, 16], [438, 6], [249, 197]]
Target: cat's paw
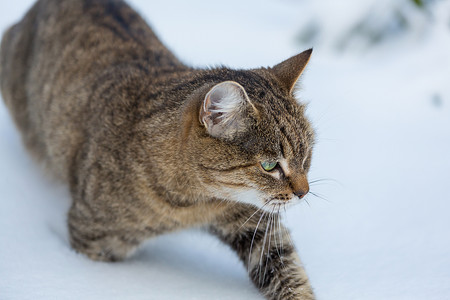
[[290, 292], [301, 293]]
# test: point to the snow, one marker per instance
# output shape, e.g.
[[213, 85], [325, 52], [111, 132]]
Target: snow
[[383, 121]]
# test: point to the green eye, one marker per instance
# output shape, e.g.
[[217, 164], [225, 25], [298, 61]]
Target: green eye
[[268, 165]]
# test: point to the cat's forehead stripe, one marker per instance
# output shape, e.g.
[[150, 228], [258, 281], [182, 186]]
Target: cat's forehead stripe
[[306, 156], [285, 166], [288, 145]]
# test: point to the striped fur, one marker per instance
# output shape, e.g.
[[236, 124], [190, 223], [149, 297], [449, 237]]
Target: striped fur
[[114, 114]]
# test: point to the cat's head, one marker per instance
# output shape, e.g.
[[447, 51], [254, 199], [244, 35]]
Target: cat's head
[[255, 143]]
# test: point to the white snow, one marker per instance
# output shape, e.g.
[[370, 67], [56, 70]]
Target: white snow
[[383, 121]]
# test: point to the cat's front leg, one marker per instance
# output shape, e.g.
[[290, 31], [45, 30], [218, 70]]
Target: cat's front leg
[[265, 247]]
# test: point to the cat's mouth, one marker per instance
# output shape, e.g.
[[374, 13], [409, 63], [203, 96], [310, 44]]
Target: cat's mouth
[[278, 202]]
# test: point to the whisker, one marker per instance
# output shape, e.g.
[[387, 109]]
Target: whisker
[[253, 239], [287, 232], [276, 228], [268, 245], [276, 232], [248, 219], [280, 234], [324, 181], [318, 196], [306, 200], [321, 180], [263, 246]]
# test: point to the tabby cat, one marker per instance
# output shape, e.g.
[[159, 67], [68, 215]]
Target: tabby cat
[[149, 145]]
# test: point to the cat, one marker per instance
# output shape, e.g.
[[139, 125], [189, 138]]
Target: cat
[[148, 145]]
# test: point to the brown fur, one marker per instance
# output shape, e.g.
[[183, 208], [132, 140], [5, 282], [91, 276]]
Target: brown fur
[[111, 112]]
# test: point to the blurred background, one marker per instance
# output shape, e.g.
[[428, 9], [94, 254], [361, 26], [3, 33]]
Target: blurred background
[[378, 94]]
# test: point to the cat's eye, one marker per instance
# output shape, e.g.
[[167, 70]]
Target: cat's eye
[[268, 165]]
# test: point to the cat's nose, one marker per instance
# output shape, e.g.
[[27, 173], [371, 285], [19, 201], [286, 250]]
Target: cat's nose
[[301, 193], [300, 186]]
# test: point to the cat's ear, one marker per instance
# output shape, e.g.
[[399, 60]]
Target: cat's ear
[[288, 71], [223, 111]]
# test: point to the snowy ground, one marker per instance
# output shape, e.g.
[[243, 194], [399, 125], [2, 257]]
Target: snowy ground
[[383, 120]]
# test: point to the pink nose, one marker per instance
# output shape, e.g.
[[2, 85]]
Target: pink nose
[[301, 193]]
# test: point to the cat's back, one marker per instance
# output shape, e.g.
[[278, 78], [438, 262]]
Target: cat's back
[[55, 59], [108, 30], [74, 38]]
